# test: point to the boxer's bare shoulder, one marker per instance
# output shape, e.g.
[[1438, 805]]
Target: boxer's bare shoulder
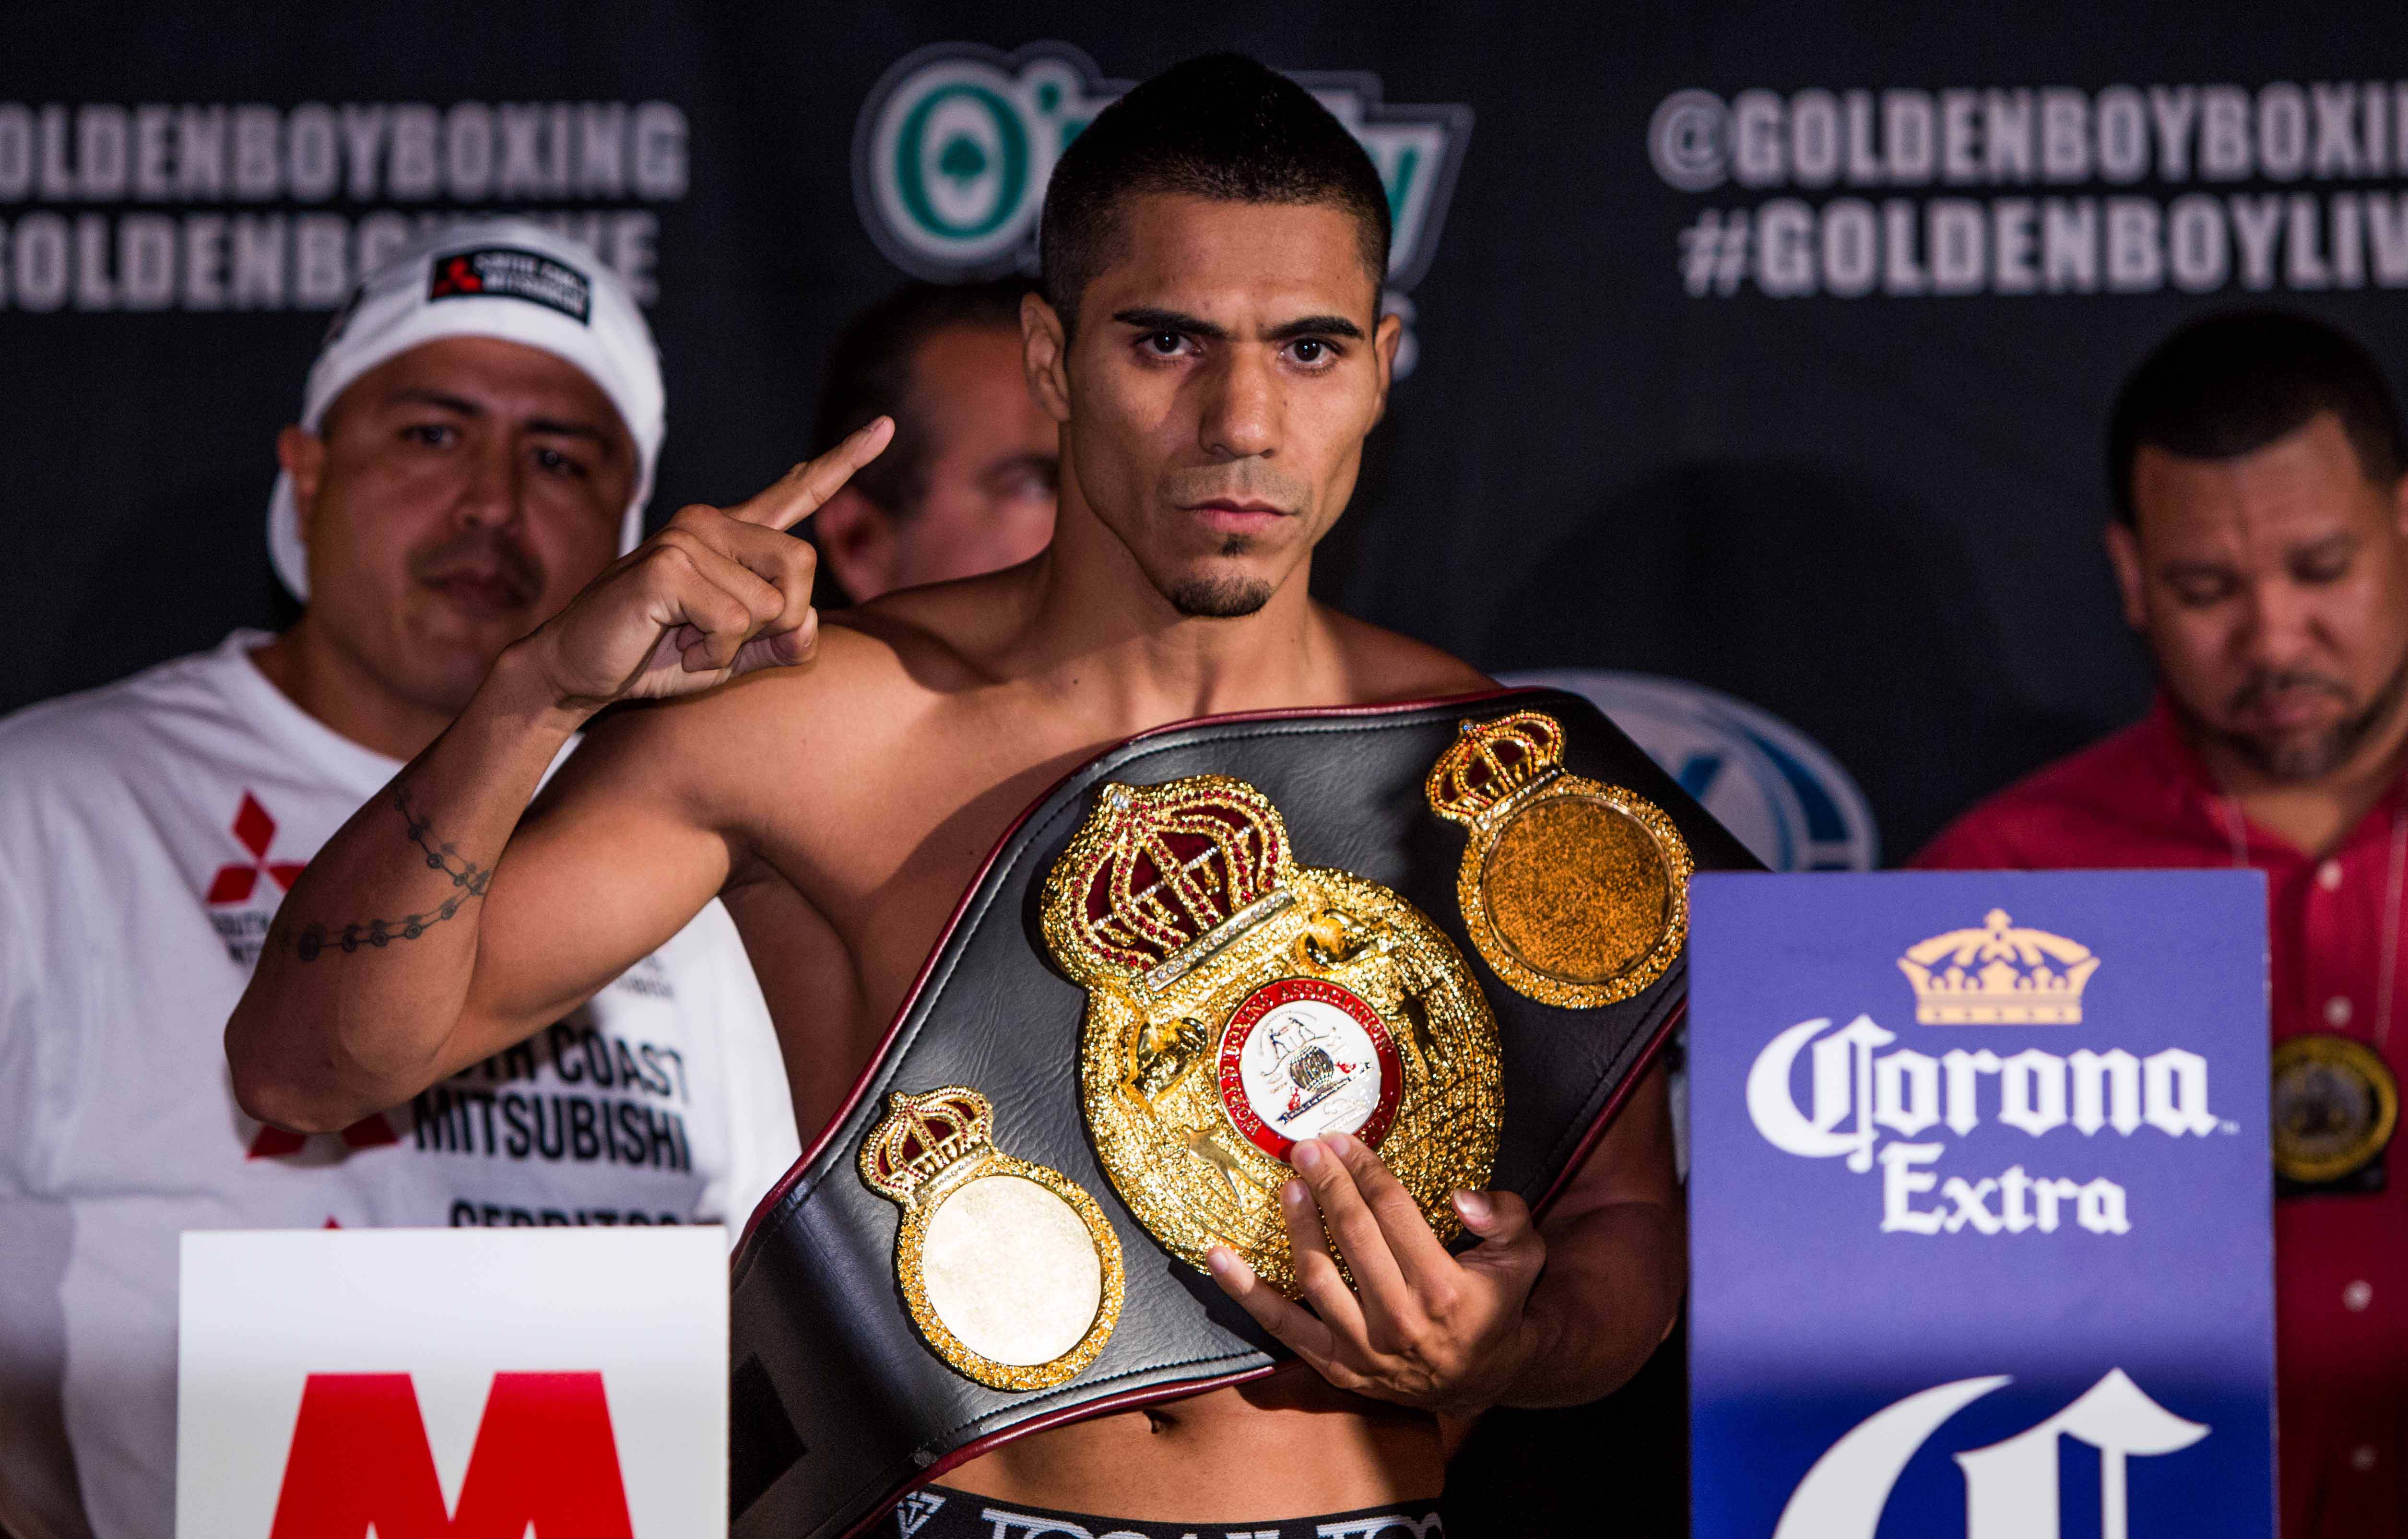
[[1382, 666]]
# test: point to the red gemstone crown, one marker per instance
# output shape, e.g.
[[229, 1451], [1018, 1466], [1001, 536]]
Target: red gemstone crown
[[1491, 761], [921, 1135], [1157, 867]]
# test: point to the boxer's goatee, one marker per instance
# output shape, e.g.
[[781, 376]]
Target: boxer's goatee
[[1218, 597]]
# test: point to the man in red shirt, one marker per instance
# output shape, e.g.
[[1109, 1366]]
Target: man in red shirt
[[2261, 544]]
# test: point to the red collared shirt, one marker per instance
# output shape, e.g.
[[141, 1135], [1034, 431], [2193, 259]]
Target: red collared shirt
[[2142, 798]]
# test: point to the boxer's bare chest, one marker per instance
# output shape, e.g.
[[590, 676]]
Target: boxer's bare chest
[[844, 898]]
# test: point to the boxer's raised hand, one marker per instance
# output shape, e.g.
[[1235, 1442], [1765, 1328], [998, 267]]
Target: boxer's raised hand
[[717, 593]]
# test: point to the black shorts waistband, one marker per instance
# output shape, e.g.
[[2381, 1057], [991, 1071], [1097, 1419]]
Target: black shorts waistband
[[939, 1512]]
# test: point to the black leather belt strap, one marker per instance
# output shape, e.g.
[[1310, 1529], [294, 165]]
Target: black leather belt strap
[[839, 1408]]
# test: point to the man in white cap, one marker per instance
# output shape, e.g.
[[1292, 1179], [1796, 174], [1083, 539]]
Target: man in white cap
[[476, 444]]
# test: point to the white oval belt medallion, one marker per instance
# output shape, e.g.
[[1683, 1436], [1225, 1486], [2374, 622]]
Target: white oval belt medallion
[[1010, 1271], [1303, 1057]]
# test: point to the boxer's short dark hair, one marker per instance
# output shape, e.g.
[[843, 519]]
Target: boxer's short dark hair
[[1222, 127], [870, 375], [2227, 385]]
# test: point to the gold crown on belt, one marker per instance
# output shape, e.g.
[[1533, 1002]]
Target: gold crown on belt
[[1494, 761], [1158, 868], [923, 1136]]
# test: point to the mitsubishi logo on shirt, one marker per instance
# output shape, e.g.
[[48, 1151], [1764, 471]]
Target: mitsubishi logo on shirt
[[255, 830], [237, 882], [372, 1132]]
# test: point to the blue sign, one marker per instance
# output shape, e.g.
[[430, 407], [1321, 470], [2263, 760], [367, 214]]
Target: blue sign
[[1980, 1206]]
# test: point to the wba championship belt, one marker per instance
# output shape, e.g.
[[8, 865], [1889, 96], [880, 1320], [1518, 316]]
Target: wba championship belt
[[1453, 930]]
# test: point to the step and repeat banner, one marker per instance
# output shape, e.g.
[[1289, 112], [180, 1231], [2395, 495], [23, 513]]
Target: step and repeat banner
[[1749, 348], [1756, 364]]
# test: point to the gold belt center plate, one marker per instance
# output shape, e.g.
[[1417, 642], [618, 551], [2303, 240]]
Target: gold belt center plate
[[1238, 1002]]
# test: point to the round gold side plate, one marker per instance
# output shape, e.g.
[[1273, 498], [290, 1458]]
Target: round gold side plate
[[1577, 888], [1162, 1123], [1579, 896], [933, 1147], [2336, 1104]]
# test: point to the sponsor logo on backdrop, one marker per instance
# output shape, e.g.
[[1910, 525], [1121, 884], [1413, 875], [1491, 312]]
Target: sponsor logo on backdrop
[[105, 206], [1778, 790], [1892, 1334], [953, 148], [2197, 189], [1995, 973], [2010, 1486]]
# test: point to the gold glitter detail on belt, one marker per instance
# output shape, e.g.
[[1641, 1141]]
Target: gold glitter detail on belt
[[1575, 892], [1200, 868], [927, 1148]]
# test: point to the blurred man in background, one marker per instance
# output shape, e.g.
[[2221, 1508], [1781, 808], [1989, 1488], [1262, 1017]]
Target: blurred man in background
[[2261, 543], [967, 484], [477, 443]]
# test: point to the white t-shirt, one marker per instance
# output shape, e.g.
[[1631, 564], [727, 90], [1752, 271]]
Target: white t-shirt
[[148, 830]]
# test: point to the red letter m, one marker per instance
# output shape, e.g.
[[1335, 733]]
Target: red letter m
[[544, 1455]]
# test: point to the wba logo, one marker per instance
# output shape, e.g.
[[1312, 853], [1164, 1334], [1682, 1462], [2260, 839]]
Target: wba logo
[[545, 1457], [2010, 1486], [953, 148]]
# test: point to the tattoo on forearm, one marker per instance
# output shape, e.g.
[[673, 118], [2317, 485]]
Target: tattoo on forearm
[[468, 881]]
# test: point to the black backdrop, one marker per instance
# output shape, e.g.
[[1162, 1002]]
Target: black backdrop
[[1874, 513], [1794, 387]]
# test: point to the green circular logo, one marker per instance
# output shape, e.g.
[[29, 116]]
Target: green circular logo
[[958, 158]]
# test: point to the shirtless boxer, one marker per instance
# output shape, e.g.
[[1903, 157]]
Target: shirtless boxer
[[1210, 340]]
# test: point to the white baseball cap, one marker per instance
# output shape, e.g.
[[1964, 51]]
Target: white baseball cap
[[498, 277]]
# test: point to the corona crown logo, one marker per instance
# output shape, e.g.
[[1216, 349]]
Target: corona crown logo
[[2000, 974]]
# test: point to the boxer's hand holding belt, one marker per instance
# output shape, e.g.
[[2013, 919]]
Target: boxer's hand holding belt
[[1421, 1326], [717, 593]]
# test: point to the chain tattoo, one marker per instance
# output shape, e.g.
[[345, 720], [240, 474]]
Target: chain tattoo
[[468, 881]]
